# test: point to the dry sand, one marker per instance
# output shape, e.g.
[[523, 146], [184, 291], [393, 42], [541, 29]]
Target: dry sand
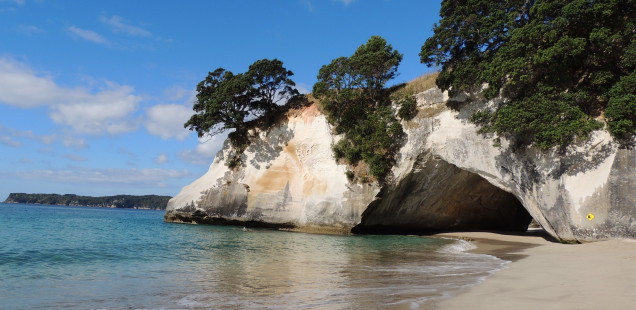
[[547, 275]]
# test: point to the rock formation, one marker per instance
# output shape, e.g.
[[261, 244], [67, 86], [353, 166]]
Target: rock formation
[[447, 177], [288, 178]]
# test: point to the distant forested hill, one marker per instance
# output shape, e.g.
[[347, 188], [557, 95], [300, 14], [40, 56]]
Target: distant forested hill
[[119, 201]]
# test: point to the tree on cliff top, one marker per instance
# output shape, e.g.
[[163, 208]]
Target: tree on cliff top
[[558, 64], [351, 85], [227, 101], [353, 93]]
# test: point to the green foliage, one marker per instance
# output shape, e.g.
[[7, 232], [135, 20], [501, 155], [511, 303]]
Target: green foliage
[[349, 86], [350, 175], [353, 94], [119, 201], [228, 101], [407, 107], [544, 121], [222, 103], [374, 64], [466, 38], [558, 64], [234, 162], [621, 109], [271, 84], [235, 101]]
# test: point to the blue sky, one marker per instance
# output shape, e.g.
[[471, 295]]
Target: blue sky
[[94, 94]]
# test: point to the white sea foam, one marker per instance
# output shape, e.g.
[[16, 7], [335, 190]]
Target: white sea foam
[[464, 269], [458, 246]]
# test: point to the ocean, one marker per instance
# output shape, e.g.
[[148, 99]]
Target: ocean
[[57, 257]]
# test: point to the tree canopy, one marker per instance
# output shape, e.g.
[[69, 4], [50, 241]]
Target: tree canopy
[[227, 101], [353, 93], [349, 86], [559, 65]]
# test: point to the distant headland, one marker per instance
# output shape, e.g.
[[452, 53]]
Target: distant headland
[[153, 202]]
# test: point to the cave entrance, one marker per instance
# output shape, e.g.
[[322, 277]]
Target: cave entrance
[[440, 196]]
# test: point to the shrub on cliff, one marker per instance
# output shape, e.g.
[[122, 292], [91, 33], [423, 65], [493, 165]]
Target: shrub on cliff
[[558, 64], [353, 93]]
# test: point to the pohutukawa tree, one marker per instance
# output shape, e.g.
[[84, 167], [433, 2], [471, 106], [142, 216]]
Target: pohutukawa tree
[[352, 85], [353, 93], [228, 101], [271, 84], [557, 64]]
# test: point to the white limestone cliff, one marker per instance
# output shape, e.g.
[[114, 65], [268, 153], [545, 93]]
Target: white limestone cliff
[[447, 176], [288, 177]]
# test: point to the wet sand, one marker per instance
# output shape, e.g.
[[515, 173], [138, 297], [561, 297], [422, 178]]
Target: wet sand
[[547, 275]]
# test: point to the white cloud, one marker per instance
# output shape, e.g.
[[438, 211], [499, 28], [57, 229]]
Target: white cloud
[[8, 141], [47, 139], [26, 161], [10, 8], [120, 25], [166, 121], [103, 111], [29, 29], [132, 156], [303, 88], [73, 142], [18, 2], [80, 175], [21, 87], [180, 93], [162, 158], [117, 24], [46, 150], [88, 35], [74, 157], [308, 4], [121, 127], [205, 151], [7, 136], [96, 113]]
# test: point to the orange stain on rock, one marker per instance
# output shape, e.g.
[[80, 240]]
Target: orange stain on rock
[[282, 171], [307, 114], [314, 186], [292, 150], [273, 180]]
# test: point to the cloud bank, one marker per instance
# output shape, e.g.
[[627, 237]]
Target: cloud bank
[[85, 111], [166, 121], [79, 175], [204, 151]]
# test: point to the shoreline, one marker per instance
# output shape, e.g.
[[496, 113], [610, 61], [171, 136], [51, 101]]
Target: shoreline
[[77, 205], [544, 274]]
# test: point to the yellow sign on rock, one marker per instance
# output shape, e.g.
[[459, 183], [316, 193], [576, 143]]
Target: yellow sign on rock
[[590, 216]]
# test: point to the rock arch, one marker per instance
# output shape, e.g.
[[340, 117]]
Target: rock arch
[[438, 196]]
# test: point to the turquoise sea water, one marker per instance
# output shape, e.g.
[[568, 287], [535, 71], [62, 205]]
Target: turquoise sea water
[[54, 257]]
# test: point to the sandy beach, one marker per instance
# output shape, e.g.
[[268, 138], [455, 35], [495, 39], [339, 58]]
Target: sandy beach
[[546, 275]]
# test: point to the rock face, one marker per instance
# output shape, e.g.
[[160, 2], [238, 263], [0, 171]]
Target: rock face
[[447, 177], [288, 178]]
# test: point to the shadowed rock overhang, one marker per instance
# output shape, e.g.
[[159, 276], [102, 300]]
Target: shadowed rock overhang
[[438, 196]]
